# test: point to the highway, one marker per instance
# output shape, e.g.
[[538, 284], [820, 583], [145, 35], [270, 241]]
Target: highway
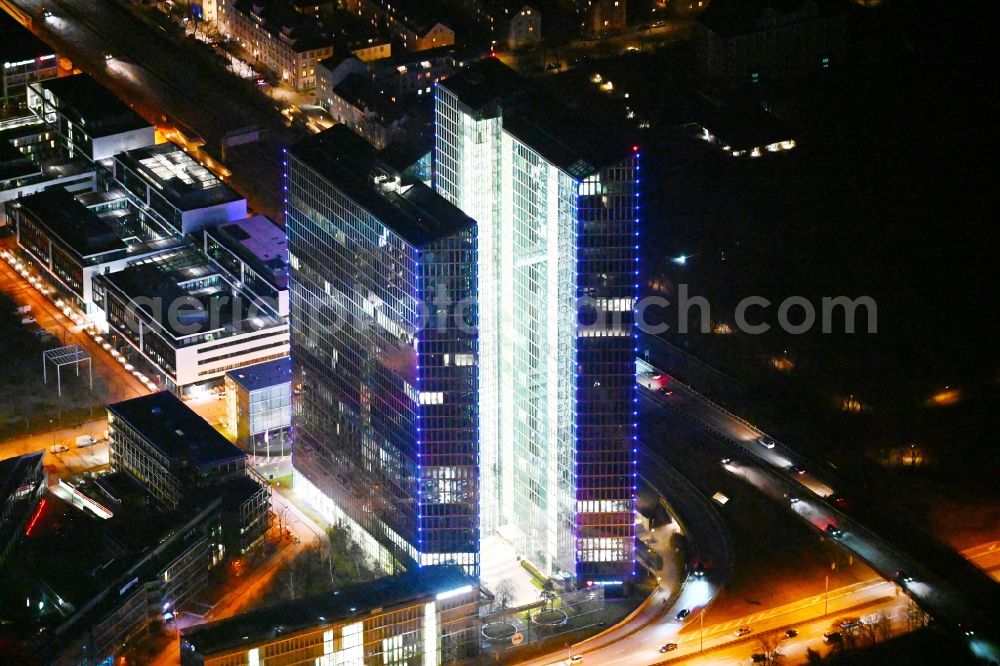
[[765, 463]]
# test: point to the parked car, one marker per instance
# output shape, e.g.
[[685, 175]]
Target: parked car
[[59, 448]]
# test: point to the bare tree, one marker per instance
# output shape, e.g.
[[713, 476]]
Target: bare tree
[[504, 593], [883, 625], [769, 642], [915, 616]]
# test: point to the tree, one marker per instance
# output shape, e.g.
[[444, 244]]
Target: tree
[[547, 594], [504, 593], [813, 658], [883, 625], [768, 642]]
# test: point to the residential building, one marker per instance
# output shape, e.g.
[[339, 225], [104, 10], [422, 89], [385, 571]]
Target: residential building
[[259, 407], [275, 36], [556, 201], [72, 242], [22, 483], [513, 22], [356, 103], [173, 191], [383, 287], [181, 460], [90, 121], [747, 42], [602, 16], [187, 319], [417, 24], [25, 59], [426, 616], [255, 252]]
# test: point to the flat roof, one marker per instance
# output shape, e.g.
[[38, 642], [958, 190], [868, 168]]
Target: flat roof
[[79, 228], [18, 44], [175, 430], [354, 601], [415, 212], [263, 375], [92, 106], [574, 141], [729, 18], [259, 241], [178, 176]]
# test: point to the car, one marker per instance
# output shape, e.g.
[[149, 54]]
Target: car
[[832, 637], [655, 376], [792, 499], [47, 13], [28, 320], [683, 613], [108, 57], [576, 659], [59, 448], [742, 631], [758, 658], [727, 461], [791, 633], [669, 647], [795, 469], [699, 571], [849, 623], [666, 392], [834, 531], [766, 442], [904, 577]]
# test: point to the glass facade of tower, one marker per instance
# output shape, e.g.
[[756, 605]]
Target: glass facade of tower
[[384, 343], [556, 264]]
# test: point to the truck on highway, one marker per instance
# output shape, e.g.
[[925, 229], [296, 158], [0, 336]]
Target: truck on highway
[[83, 441]]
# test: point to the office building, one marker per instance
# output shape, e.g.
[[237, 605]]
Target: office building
[[427, 616], [22, 483], [188, 319], [556, 204], [259, 407], [174, 191], [255, 252], [183, 461], [23, 59], [73, 239], [89, 120], [386, 439]]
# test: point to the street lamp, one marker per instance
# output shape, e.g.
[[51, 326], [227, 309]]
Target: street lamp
[[701, 631]]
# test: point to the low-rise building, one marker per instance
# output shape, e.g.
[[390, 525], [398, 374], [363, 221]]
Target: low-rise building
[[259, 407], [22, 483], [514, 23], [23, 59], [188, 319], [602, 16], [275, 36], [424, 616], [90, 121], [174, 191], [356, 103], [741, 42]]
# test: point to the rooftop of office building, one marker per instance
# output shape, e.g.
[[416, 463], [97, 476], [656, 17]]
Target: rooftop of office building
[[263, 375], [174, 430], [19, 45], [79, 228], [572, 140], [190, 296], [92, 106], [413, 211], [13, 470], [178, 177], [354, 601], [258, 241]]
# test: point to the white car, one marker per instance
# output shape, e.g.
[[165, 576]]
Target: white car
[[59, 448], [766, 442]]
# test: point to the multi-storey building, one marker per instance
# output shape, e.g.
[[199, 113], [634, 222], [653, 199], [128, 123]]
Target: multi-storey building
[[427, 616], [275, 36], [383, 309], [602, 16], [23, 59], [416, 24], [556, 205], [181, 460], [90, 121], [187, 318], [259, 407]]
